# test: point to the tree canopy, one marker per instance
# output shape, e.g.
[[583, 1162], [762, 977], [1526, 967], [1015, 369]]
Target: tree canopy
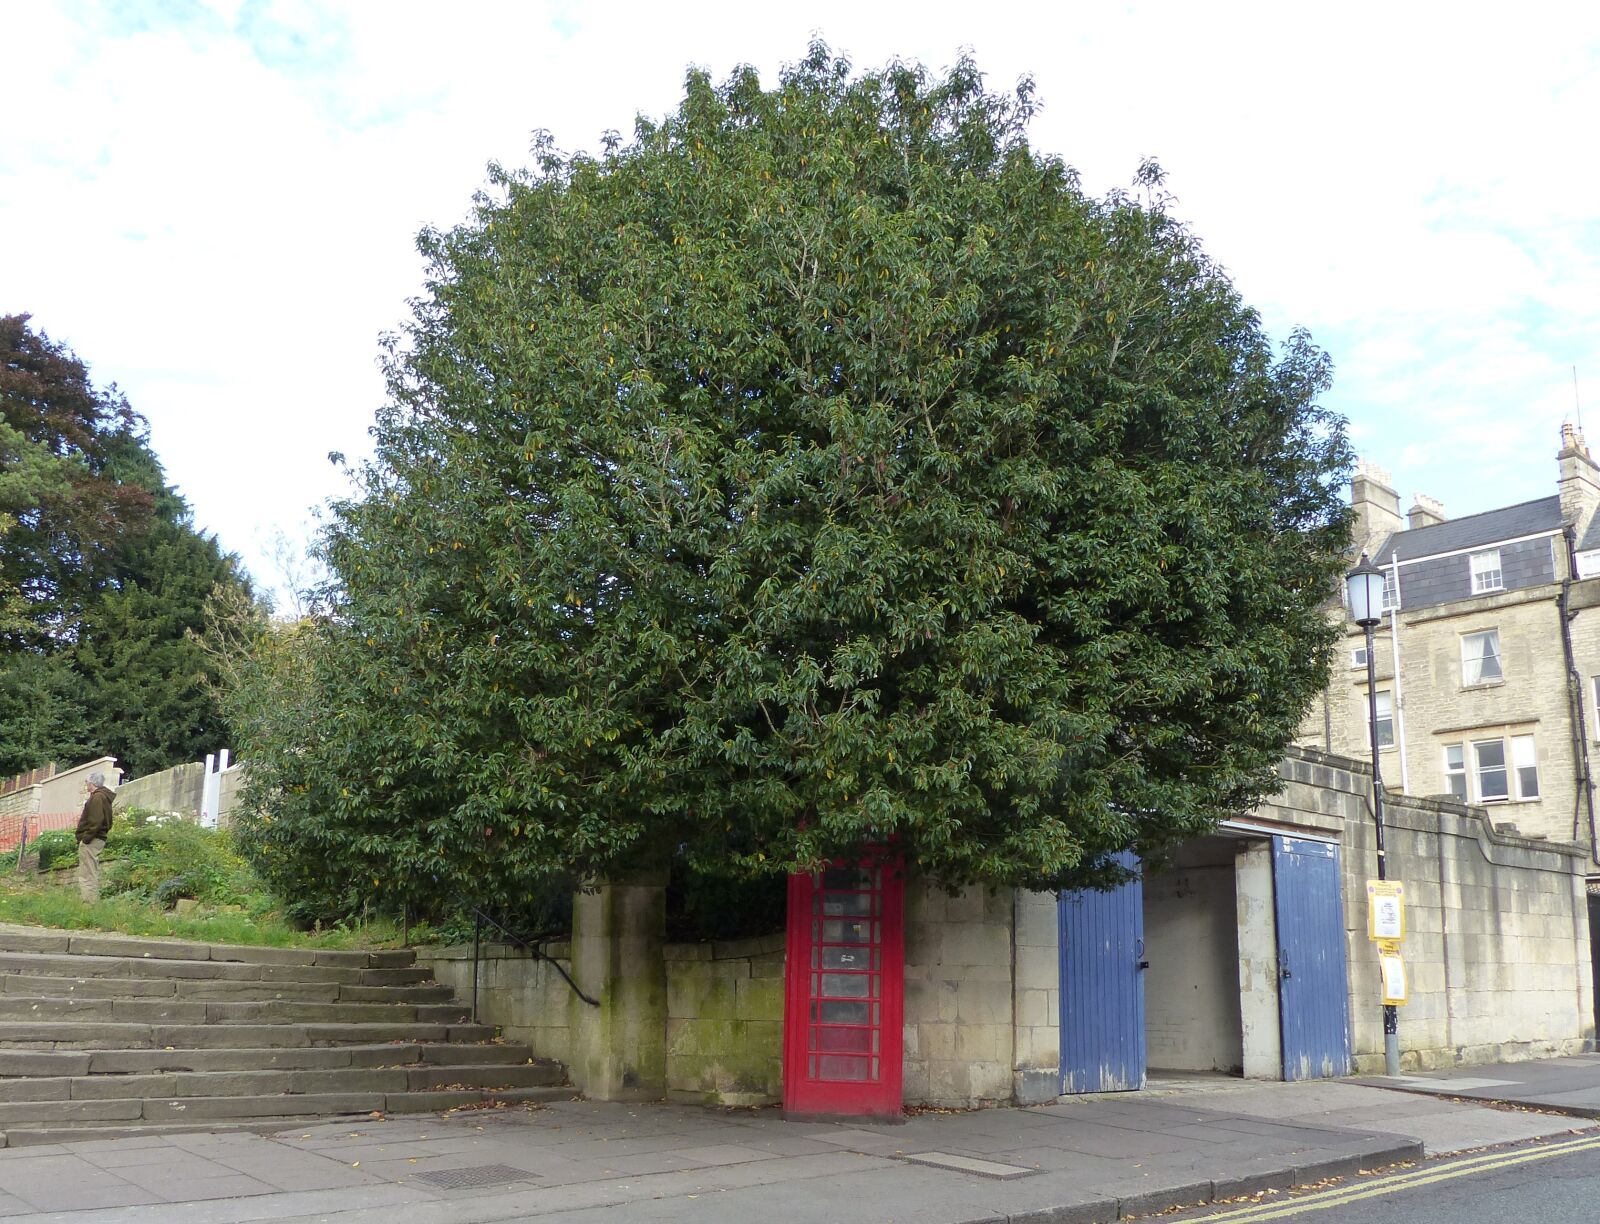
[[822, 467], [103, 576]]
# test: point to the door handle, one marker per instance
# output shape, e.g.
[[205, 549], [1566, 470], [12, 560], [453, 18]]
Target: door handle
[[1139, 961], [1283, 965]]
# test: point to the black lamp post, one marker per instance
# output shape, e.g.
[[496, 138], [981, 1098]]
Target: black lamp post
[[1364, 586]]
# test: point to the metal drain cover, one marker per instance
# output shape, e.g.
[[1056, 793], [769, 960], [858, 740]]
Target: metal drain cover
[[477, 1175]]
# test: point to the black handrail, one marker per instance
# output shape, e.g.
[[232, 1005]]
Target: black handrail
[[528, 944]]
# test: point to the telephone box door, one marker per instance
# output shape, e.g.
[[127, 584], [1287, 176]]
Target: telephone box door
[[845, 991]]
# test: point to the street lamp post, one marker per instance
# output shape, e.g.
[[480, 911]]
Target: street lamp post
[[1364, 586]]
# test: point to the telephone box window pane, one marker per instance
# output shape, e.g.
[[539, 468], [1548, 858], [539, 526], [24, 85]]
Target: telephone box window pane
[[846, 1040], [846, 985], [843, 1067], [849, 878], [847, 932], [846, 903], [845, 958], [834, 1011]]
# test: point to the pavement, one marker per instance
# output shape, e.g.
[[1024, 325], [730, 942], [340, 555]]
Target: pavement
[[1186, 1140], [1569, 1085]]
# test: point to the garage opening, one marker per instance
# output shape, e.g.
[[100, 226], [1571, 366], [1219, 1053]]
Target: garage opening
[[1193, 1021]]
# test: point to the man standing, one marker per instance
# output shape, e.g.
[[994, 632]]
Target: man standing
[[93, 827]]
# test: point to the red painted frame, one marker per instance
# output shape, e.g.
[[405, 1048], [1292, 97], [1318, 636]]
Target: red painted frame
[[818, 1057]]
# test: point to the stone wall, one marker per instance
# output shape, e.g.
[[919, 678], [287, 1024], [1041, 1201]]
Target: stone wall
[[958, 1035], [1497, 939], [172, 790], [725, 1021], [522, 994]]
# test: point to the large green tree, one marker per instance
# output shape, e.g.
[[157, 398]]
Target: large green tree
[[820, 468], [103, 576]]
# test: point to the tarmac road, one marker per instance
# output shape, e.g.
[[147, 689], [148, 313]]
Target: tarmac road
[[1555, 1182]]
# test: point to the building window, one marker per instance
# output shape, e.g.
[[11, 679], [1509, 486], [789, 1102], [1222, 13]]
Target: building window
[[1594, 683], [1455, 770], [1385, 719], [1480, 657], [1486, 574], [1358, 658], [1525, 760], [1588, 564], [1489, 764], [1391, 594]]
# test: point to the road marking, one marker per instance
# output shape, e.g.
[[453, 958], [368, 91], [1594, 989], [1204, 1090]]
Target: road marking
[[1399, 1182]]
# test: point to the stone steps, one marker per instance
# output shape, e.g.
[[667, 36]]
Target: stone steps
[[34, 1122], [19, 1064], [108, 1035], [218, 989], [268, 1011]]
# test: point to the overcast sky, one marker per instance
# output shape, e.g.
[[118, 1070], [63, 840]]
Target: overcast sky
[[215, 202]]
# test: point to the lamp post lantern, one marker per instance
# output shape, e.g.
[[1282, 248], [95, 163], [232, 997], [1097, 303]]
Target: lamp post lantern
[[1364, 588]]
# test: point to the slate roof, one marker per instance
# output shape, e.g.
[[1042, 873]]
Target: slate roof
[[1480, 530], [1591, 537]]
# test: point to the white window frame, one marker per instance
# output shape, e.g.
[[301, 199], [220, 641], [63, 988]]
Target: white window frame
[[1519, 756], [1455, 772], [1479, 769], [1474, 656], [1391, 592], [1524, 767], [1594, 687], [1358, 658], [1487, 576], [1589, 563], [1385, 717]]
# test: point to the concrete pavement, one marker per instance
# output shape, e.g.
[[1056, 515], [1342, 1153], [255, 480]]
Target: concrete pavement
[[1568, 1086], [1090, 1158]]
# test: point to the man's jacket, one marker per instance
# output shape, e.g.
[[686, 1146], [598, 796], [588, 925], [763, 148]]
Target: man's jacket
[[95, 822]]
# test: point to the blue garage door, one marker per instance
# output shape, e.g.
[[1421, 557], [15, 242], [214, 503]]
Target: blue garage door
[[1102, 988], [1313, 985]]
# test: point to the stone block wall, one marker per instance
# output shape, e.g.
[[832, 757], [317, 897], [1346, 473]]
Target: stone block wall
[[1497, 932], [172, 790], [1036, 998], [725, 1022], [959, 1043], [525, 996]]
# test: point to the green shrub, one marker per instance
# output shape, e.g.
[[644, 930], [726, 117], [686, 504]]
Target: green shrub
[[55, 848], [163, 862]]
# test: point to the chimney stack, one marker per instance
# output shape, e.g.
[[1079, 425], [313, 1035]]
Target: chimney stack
[[1425, 512], [1579, 481], [1376, 507]]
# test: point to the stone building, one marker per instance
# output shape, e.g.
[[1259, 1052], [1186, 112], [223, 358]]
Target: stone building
[[1488, 659]]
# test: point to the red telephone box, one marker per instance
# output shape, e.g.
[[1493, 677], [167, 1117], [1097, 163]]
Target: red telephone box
[[842, 1037]]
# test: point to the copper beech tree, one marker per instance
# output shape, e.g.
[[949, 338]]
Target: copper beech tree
[[819, 468]]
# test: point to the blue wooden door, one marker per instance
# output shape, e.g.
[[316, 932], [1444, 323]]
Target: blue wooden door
[[1313, 983], [1102, 988]]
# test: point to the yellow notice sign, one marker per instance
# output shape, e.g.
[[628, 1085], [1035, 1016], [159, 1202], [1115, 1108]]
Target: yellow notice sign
[[1394, 978], [1386, 909]]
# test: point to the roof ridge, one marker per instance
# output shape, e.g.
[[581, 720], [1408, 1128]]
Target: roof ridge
[[1532, 501]]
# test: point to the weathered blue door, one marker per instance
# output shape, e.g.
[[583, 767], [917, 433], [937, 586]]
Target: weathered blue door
[[1313, 984], [1102, 988]]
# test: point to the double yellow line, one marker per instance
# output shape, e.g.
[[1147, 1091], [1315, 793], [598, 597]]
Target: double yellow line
[[1472, 1166]]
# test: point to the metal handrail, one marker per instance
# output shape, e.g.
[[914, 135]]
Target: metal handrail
[[528, 944]]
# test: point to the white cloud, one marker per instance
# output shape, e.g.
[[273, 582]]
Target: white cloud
[[220, 209]]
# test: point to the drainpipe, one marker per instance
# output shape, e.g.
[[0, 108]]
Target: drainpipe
[[1399, 700], [1580, 734]]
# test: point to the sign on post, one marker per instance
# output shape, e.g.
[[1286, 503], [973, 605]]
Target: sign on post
[[1393, 972], [1386, 910]]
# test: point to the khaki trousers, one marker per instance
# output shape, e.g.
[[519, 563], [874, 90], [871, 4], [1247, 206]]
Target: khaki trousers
[[89, 869]]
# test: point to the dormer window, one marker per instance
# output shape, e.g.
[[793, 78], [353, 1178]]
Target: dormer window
[[1486, 576]]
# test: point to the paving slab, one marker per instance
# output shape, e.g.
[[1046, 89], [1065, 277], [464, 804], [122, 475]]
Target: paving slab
[[1082, 1159], [1569, 1085]]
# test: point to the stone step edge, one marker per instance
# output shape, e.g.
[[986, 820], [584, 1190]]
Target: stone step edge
[[66, 1007], [519, 1054], [422, 1100], [78, 942], [180, 969], [286, 990], [279, 1080]]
